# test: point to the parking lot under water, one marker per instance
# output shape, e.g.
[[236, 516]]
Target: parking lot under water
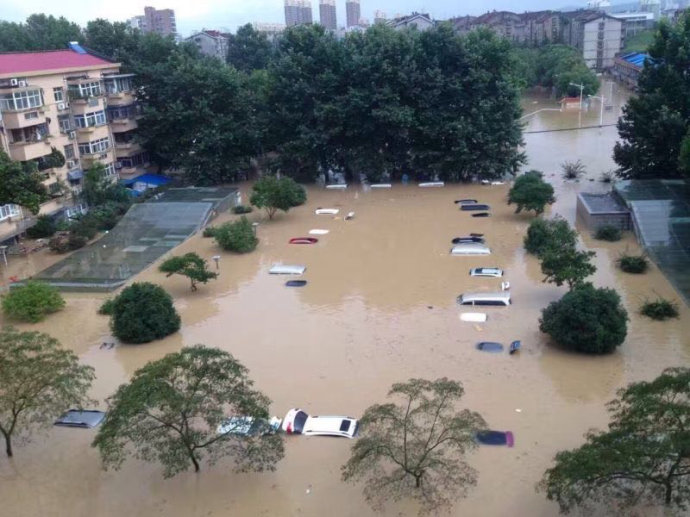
[[379, 308]]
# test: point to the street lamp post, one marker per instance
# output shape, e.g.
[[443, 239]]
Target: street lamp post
[[216, 259], [581, 87], [601, 107]]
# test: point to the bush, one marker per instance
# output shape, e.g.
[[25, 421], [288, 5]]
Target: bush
[[608, 233], [635, 264], [59, 243], [659, 309], [74, 241], [143, 312], [209, 231], [44, 227], [586, 319], [241, 209], [238, 236], [273, 194], [549, 234], [572, 170], [32, 302], [85, 226], [608, 176], [106, 307], [530, 192]]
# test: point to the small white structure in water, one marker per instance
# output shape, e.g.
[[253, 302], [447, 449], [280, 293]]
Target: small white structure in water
[[473, 317], [318, 231], [381, 185], [337, 186], [287, 269], [326, 211], [427, 184]]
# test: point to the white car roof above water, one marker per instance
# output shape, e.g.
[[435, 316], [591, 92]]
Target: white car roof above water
[[287, 269], [470, 248]]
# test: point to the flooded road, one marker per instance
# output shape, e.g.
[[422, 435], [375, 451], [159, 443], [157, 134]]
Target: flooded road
[[379, 308]]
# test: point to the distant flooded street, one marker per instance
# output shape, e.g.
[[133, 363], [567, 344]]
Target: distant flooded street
[[379, 308]]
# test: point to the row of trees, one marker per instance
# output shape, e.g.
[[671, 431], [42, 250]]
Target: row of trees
[[413, 446]]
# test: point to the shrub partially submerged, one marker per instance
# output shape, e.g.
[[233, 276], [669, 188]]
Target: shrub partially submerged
[[241, 209], [608, 233], [238, 236], [635, 264], [659, 309]]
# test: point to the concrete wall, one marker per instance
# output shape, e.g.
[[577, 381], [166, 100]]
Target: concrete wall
[[602, 39], [596, 220]]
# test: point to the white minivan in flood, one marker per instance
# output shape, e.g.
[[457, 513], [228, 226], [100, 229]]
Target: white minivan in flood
[[501, 299], [470, 248]]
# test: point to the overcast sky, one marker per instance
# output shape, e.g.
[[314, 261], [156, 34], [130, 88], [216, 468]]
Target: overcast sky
[[229, 14]]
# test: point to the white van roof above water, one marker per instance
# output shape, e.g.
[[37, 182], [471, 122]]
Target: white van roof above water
[[470, 248]]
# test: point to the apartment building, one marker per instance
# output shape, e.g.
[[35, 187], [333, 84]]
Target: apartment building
[[327, 14], [597, 35], [353, 12], [298, 12], [418, 21], [72, 102], [210, 43], [160, 21]]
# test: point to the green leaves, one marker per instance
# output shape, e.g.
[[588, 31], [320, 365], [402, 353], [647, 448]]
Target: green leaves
[[170, 410], [238, 236], [190, 265], [531, 192], [273, 194], [586, 319], [642, 458], [38, 381], [32, 302], [415, 448], [20, 185]]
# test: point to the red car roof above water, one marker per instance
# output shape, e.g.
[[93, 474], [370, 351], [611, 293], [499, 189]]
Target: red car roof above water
[[19, 62]]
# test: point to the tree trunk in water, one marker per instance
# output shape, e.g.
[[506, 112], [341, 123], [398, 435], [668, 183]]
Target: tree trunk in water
[[196, 463], [418, 481], [669, 493], [8, 444]]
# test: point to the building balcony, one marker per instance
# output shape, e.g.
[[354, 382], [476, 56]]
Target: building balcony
[[88, 105], [122, 125], [123, 150], [19, 120], [25, 150], [85, 134], [88, 160], [120, 98]]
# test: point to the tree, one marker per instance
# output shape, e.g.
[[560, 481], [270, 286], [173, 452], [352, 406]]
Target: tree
[[549, 234], [190, 265], [531, 192], [32, 302], [567, 265], [38, 381], [275, 194], [416, 448], [170, 411], [656, 120], [100, 189], [586, 319], [40, 32], [238, 236], [20, 186], [249, 49], [642, 459], [143, 312]]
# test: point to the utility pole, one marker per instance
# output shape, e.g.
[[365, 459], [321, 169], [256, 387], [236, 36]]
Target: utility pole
[[601, 107], [581, 87]]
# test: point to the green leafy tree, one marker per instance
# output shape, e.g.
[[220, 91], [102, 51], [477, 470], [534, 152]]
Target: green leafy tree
[[273, 194], [170, 410], [20, 186], [100, 189], [586, 319], [44, 227], [38, 381], [416, 447], [531, 192], [642, 459], [238, 236], [190, 265], [143, 312], [32, 302], [549, 234], [249, 49], [655, 122], [39, 32], [568, 266]]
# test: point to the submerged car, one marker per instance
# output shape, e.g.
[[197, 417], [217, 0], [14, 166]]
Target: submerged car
[[297, 421], [249, 426], [487, 271], [474, 207]]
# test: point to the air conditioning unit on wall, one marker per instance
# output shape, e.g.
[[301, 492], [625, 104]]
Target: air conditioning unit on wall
[[61, 106], [118, 165], [71, 135], [22, 83], [14, 82]]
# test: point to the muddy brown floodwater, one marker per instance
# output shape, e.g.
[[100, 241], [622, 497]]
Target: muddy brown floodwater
[[379, 308]]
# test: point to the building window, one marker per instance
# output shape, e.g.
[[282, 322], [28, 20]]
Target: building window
[[64, 123], [69, 152], [134, 161], [85, 90], [95, 118], [109, 170], [97, 146], [7, 211], [21, 100], [117, 85], [58, 94], [31, 115]]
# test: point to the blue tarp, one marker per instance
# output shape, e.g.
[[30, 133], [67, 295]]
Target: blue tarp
[[153, 180], [636, 58]]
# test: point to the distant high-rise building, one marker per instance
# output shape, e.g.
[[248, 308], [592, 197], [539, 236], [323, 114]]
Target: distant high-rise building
[[306, 11], [297, 12], [327, 14], [379, 17], [353, 12], [160, 21]]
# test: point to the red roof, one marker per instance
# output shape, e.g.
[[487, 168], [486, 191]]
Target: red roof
[[18, 62]]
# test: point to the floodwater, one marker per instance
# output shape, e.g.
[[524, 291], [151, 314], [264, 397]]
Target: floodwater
[[379, 308]]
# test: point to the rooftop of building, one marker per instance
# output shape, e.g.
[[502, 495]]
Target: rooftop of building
[[602, 203], [16, 63], [635, 58]]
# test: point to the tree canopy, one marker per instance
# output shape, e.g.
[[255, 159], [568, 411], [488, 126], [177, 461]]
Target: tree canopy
[[170, 410], [531, 192], [656, 121], [32, 302], [554, 234], [39, 380], [567, 266], [190, 265], [273, 194], [20, 185], [238, 236], [416, 446], [39, 32], [249, 49], [587, 319], [641, 459]]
